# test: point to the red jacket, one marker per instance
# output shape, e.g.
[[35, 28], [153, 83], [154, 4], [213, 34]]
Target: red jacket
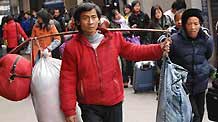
[[10, 33], [92, 76]]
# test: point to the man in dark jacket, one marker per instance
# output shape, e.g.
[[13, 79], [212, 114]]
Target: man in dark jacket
[[191, 48], [90, 72]]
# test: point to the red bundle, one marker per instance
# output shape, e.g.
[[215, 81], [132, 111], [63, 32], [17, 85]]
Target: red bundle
[[15, 77]]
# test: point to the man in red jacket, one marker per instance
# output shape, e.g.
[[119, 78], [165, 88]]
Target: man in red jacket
[[90, 72]]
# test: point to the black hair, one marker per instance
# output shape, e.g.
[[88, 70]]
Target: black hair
[[9, 18], [43, 13], [181, 4], [192, 12], [128, 6], [113, 13], [153, 11], [174, 5], [134, 3], [179, 12], [87, 6]]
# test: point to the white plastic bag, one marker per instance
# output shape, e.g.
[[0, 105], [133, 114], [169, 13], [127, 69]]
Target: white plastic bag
[[45, 90]]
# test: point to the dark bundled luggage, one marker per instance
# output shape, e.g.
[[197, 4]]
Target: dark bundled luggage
[[212, 103], [143, 76]]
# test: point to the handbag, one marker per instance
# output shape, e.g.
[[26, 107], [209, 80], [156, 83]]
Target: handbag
[[134, 39]]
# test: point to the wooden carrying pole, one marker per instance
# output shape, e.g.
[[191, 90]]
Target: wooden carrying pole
[[15, 50]]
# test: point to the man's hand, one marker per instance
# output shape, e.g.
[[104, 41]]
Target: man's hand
[[71, 119], [165, 46]]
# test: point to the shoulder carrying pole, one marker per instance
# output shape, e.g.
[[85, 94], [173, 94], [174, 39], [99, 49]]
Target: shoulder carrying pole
[[15, 50]]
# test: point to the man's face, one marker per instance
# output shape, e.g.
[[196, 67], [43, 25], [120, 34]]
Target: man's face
[[192, 27], [56, 12], [89, 22]]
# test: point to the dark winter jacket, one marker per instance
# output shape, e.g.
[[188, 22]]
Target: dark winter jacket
[[193, 55], [142, 20]]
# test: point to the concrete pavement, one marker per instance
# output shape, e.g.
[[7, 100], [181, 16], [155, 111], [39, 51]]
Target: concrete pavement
[[140, 107]]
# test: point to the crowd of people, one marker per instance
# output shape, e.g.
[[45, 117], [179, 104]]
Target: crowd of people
[[90, 71]]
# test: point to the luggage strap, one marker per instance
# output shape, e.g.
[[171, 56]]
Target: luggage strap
[[12, 72]]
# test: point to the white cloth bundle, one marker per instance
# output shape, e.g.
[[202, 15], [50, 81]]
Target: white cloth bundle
[[45, 90]]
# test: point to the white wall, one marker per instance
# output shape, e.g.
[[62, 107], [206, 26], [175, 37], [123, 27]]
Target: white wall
[[196, 4]]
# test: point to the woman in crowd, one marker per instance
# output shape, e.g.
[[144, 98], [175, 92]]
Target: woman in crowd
[[159, 21], [43, 27], [12, 33], [139, 19]]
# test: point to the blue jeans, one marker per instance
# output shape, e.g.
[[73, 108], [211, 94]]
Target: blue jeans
[[173, 104]]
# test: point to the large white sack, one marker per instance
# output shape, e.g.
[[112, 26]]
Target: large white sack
[[45, 90]]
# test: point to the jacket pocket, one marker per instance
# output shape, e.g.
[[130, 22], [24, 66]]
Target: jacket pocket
[[81, 90], [116, 86]]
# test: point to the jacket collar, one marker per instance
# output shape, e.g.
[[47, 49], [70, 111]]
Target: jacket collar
[[82, 38], [201, 35]]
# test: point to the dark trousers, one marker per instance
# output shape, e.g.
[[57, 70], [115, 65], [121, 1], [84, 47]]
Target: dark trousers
[[98, 113], [124, 72], [198, 102], [130, 69]]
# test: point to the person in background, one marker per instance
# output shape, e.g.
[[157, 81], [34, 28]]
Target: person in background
[[32, 21], [171, 12], [60, 18], [71, 25], [181, 4], [191, 48], [12, 32], [90, 72], [3, 22], [34, 15], [139, 19], [27, 23], [127, 12], [178, 22], [43, 27], [118, 20], [159, 21], [18, 18]]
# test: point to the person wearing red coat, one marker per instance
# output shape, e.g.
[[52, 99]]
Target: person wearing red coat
[[12, 31], [90, 72]]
